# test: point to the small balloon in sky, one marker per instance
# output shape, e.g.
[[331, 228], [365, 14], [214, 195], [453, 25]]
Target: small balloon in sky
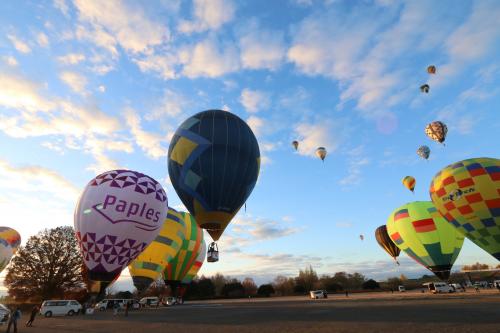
[[321, 153], [117, 216], [437, 131], [431, 69], [424, 152], [409, 182], [425, 88]]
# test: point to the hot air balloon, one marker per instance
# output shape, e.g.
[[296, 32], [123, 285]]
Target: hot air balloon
[[361, 237], [437, 131], [151, 263], [409, 182], [321, 153], [190, 250], [431, 69], [190, 275], [386, 243], [418, 229], [425, 88], [424, 152], [295, 144], [467, 194], [9, 243], [213, 163], [117, 216]]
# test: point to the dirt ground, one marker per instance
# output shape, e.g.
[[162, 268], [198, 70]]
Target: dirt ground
[[381, 312]]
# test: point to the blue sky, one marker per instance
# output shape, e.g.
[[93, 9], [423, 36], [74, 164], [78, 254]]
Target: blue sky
[[88, 86]]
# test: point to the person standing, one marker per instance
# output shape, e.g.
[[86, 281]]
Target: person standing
[[33, 314], [14, 317], [127, 304]]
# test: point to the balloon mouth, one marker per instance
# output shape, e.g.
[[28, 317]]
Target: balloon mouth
[[142, 283], [442, 271]]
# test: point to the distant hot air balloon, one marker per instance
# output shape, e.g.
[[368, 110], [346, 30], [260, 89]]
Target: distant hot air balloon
[[9, 243], [361, 237], [437, 131], [386, 243], [418, 229], [424, 152], [213, 163], [409, 182], [431, 69], [151, 263], [425, 88], [179, 267], [321, 153], [467, 194], [295, 144], [117, 216]]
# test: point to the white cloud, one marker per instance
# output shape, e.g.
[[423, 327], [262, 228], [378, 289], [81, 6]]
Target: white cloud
[[126, 25], [208, 15], [321, 134], [343, 224], [172, 104], [71, 58], [256, 124], [164, 64], [262, 49], [150, 143], [10, 60], [254, 100], [19, 44], [356, 161], [62, 6], [102, 88], [209, 59], [42, 39], [19, 93], [75, 81]]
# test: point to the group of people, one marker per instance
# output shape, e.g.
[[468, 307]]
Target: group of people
[[15, 316]]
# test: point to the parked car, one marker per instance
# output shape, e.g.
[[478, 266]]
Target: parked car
[[169, 301], [401, 289], [4, 314], [315, 294], [481, 284], [439, 287], [149, 301], [109, 303], [60, 307], [458, 287], [496, 284]]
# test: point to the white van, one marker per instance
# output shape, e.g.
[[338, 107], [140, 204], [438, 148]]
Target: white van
[[439, 287], [60, 307], [401, 289], [149, 301], [315, 294], [458, 287], [109, 303]]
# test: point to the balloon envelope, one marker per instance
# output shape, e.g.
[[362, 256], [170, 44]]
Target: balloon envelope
[[467, 194], [9, 243], [150, 264], [424, 152], [213, 163], [200, 259], [409, 182], [118, 214], [385, 242], [431, 69], [321, 153], [295, 144], [418, 229], [437, 131], [177, 269]]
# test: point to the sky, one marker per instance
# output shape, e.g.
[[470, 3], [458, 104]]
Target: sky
[[88, 86]]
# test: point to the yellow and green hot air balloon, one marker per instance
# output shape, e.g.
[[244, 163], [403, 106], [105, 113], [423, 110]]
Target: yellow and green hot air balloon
[[190, 249], [200, 259], [150, 264], [418, 229], [467, 194]]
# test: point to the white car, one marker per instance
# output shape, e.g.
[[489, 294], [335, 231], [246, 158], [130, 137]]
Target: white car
[[4, 314], [401, 289], [439, 287], [60, 307], [109, 303], [149, 301], [315, 294], [458, 287]]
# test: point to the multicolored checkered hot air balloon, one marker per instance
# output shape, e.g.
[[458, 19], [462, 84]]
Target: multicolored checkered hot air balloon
[[418, 229], [213, 163], [187, 256], [191, 274], [150, 264], [467, 194], [9, 243], [409, 182]]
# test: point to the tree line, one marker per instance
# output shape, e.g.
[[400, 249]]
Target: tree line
[[50, 266]]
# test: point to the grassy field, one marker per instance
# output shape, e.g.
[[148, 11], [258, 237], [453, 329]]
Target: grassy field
[[375, 312]]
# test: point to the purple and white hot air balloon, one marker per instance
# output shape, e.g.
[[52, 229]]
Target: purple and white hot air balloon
[[118, 214]]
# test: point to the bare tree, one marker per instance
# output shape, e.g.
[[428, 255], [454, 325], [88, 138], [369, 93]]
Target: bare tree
[[48, 266]]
